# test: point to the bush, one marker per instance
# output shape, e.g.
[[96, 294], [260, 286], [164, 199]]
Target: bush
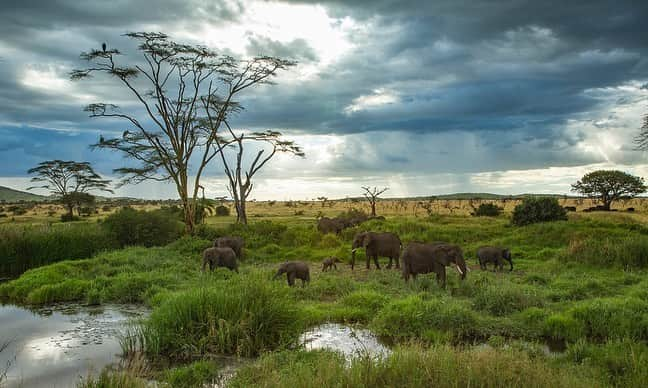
[[67, 217], [488, 210], [222, 211], [194, 375], [506, 298], [243, 317], [139, 227], [534, 209]]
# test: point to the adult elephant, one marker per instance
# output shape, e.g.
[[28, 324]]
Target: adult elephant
[[329, 225], [377, 244], [236, 243], [495, 255], [219, 257], [421, 258]]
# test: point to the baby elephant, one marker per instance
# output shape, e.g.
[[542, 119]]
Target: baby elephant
[[495, 255], [219, 257], [329, 263], [294, 269]]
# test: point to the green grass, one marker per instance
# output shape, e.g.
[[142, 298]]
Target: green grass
[[559, 291], [438, 366]]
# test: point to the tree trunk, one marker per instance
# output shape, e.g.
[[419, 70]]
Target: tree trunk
[[189, 216], [373, 208], [242, 214], [606, 204], [70, 210]]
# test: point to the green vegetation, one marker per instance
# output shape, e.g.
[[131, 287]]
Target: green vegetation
[[438, 366], [488, 210], [25, 247], [138, 227], [569, 286], [194, 375], [538, 209], [10, 195]]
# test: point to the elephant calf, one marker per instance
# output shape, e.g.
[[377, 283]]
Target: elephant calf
[[495, 255], [294, 270], [236, 243], [219, 257], [377, 244], [421, 258], [329, 263]]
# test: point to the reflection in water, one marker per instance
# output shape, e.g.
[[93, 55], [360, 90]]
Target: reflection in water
[[350, 342], [53, 347]]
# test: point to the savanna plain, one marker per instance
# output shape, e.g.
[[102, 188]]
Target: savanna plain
[[573, 311]]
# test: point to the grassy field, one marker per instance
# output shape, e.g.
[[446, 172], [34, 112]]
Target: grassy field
[[580, 284]]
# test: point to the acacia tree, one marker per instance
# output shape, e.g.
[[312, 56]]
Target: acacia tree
[[609, 186], [68, 180], [240, 177], [372, 196], [174, 83]]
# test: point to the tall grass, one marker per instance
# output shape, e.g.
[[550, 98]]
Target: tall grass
[[439, 366], [629, 252], [25, 247], [243, 317]]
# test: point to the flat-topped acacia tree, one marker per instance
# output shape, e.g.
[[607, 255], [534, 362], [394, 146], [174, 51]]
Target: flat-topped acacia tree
[[609, 186], [70, 181], [174, 83]]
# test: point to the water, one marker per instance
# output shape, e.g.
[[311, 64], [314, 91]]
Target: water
[[345, 339], [55, 346]]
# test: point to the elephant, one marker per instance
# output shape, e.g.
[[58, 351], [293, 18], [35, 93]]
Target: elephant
[[495, 255], [329, 263], [377, 244], [236, 243], [420, 258], [219, 257], [329, 225], [294, 270]]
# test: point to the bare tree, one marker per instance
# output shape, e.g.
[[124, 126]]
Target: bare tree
[[323, 199], [372, 196], [173, 84], [642, 138], [239, 176], [70, 181]]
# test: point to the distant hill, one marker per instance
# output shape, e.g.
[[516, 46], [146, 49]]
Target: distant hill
[[11, 195]]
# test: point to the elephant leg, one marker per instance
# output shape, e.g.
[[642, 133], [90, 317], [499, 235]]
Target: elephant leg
[[397, 259], [375, 259], [441, 277], [390, 262], [335, 266], [291, 279], [368, 260]]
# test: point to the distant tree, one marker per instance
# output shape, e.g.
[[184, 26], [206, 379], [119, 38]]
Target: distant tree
[[68, 180], [323, 199], [372, 196], [609, 186], [240, 176], [186, 93]]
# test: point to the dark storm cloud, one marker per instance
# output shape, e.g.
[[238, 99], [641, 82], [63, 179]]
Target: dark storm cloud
[[509, 75]]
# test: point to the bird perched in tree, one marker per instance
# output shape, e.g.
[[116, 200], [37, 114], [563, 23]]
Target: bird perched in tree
[[103, 46]]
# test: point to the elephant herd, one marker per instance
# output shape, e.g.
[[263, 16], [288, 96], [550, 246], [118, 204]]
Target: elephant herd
[[416, 257]]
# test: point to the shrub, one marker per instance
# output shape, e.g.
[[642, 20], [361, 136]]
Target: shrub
[[506, 298], [243, 317], [67, 217], [624, 361], [488, 210], [613, 318], [534, 209], [139, 227], [222, 211]]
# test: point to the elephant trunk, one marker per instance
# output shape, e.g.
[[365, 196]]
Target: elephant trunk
[[511, 263], [461, 268], [276, 275], [353, 251]]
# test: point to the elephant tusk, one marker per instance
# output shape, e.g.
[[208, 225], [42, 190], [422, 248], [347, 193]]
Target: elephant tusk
[[353, 250], [459, 269]]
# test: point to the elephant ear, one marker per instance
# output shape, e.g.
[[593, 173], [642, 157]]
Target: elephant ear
[[367, 239]]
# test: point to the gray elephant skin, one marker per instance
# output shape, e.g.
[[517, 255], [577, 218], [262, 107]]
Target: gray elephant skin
[[294, 270], [236, 243], [330, 225], [330, 262], [377, 245], [219, 257], [495, 255], [421, 258]]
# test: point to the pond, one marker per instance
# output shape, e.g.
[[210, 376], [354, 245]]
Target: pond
[[349, 341], [55, 346]]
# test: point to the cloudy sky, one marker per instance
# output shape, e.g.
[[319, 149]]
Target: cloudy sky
[[426, 97]]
